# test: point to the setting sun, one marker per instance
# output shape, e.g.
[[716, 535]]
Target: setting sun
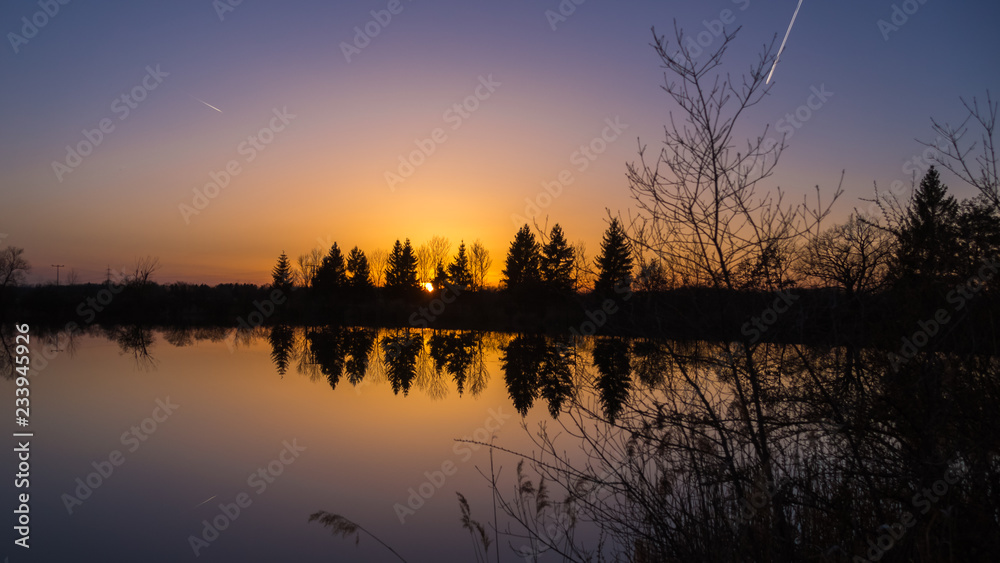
[[428, 286]]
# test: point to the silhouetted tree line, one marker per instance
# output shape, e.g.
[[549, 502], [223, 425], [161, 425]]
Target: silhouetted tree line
[[852, 281]]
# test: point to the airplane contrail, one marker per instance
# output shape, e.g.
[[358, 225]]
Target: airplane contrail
[[213, 496], [782, 48], [206, 103]]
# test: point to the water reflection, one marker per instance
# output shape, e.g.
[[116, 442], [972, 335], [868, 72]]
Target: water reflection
[[614, 366], [282, 338], [454, 354], [779, 452], [534, 367], [335, 351], [136, 341], [400, 353]]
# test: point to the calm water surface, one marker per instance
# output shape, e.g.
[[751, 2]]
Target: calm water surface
[[179, 422]]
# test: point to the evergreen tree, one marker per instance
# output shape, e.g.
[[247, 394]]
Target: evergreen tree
[[281, 275], [357, 267], [332, 273], [459, 273], [928, 239], [401, 273], [614, 263], [523, 260], [979, 233], [557, 262], [392, 265]]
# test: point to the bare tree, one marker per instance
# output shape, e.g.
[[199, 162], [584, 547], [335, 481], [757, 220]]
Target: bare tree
[[72, 277], [582, 272], [480, 264], [425, 263], [700, 202], [307, 264], [378, 260], [13, 266], [440, 249], [703, 211], [854, 256], [143, 271], [652, 275], [980, 169]]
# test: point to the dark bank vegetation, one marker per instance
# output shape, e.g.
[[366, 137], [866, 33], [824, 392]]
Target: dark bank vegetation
[[855, 282]]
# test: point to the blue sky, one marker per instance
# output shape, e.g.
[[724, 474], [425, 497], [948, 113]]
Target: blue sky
[[323, 177]]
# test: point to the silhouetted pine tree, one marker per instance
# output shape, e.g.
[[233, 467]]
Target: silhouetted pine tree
[[332, 274], [928, 239], [281, 275], [614, 263], [459, 273], [523, 261], [357, 266], [401, 273], [557, 262]]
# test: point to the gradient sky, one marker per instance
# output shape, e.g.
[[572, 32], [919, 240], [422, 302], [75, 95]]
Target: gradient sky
[[322, 178]]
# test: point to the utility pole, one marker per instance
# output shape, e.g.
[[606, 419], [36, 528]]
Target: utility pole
[[57, 266]]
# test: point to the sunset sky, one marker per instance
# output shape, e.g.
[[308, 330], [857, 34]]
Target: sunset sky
[[211, 79]]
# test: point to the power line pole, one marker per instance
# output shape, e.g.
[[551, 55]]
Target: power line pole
[[57, 266]]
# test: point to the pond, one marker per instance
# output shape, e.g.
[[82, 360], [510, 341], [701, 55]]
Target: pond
[[219, 444], [141, 436]]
